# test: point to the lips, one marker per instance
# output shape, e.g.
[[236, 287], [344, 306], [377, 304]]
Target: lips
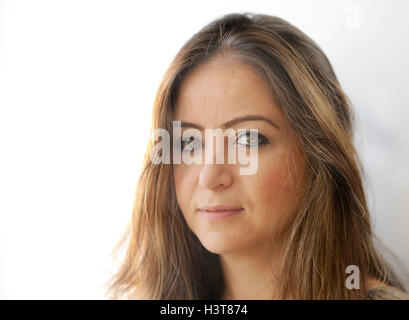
[[220, 208], [219, 212]]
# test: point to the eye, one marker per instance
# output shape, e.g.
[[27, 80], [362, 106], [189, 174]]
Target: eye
[[189, 143], [250, 140]]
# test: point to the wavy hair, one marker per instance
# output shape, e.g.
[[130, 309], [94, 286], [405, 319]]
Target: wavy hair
[[332, 227]]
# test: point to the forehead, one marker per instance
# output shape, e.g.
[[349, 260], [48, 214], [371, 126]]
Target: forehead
[[222, 89]]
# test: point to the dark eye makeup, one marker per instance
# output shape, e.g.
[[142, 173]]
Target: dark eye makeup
[[188, 144]]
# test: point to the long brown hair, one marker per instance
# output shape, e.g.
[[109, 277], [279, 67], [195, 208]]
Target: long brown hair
[[332, 229]]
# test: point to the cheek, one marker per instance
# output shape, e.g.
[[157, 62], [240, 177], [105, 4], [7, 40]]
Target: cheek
[[183, 180], [273, 193], [267, 186], [178, 181]]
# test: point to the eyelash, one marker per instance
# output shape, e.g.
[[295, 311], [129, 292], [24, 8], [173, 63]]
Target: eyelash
[[264, 141]]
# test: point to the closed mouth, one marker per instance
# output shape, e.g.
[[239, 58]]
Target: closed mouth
[[220, 208], [220, 212]]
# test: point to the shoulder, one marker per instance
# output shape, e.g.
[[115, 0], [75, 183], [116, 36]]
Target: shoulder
[[378, 290], [386, 292]]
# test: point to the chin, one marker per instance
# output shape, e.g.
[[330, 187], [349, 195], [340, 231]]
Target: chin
[[219, 249], [220, 245]]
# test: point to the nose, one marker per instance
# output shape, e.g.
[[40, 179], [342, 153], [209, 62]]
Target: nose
[[215, 176]]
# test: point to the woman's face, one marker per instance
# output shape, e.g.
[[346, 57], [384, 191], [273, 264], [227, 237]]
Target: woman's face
[[211, 95]]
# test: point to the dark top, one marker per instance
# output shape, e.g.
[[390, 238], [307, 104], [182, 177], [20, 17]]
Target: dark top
[[385, 292]]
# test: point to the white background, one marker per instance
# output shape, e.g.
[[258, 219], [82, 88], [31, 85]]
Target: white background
[[77, 83]]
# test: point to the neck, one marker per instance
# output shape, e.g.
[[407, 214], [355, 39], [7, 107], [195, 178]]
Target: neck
[[250, 275]]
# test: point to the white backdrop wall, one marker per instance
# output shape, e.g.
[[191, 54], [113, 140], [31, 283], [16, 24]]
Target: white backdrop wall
[[77, 83]]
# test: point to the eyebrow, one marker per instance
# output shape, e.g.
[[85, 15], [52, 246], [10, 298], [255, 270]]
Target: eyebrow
[[233, 122]]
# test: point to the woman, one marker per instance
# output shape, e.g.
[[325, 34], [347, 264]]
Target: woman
[[296, 228]]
